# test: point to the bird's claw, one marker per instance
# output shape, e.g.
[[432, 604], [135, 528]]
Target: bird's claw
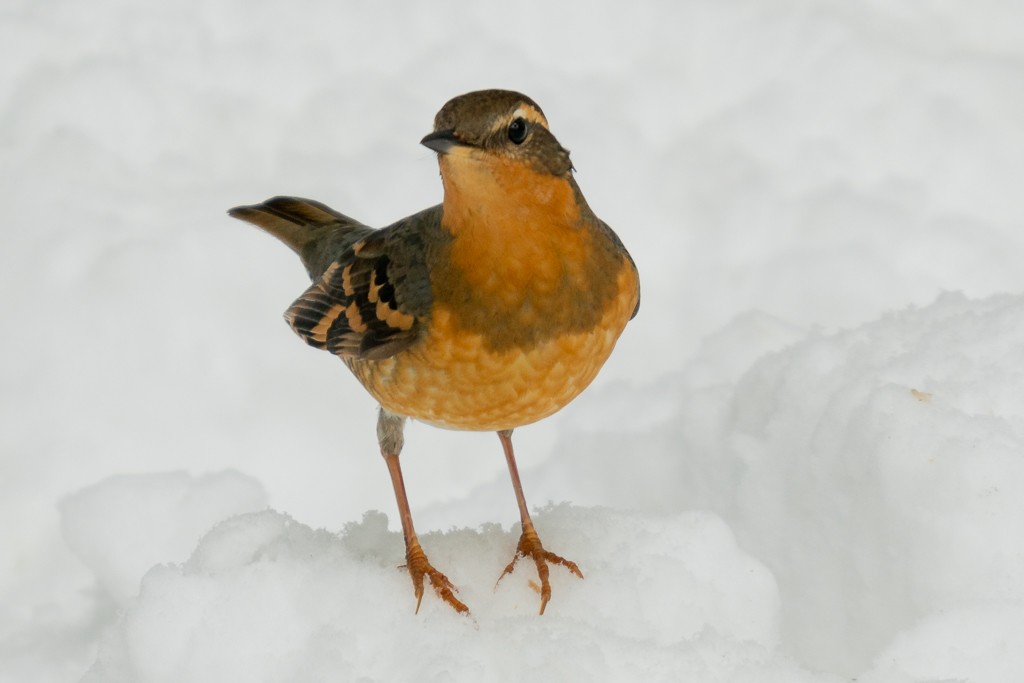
[[530, 546], [419, 567]]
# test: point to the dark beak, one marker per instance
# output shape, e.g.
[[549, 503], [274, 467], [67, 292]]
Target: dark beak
[[441, 141]]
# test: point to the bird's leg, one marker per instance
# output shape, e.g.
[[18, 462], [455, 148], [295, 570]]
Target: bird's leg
[[529, 541], [389, 434]]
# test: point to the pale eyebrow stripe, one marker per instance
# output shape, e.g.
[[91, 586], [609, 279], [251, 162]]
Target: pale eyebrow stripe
[[525, 111], [530, 114]]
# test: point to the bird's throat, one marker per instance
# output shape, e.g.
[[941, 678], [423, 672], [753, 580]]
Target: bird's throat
[[523, 263]]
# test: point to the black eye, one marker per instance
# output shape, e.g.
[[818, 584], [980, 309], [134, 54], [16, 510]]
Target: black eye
[[517, 130]]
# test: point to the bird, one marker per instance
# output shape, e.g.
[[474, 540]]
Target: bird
[[487, 312]]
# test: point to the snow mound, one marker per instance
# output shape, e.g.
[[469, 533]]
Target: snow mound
[[982, 643], [264, 598], [125, 524], [880, 473]]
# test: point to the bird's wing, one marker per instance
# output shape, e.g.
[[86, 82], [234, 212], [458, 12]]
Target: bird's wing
[[372, 298]]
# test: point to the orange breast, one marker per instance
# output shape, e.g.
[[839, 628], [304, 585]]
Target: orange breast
[[458, 381]]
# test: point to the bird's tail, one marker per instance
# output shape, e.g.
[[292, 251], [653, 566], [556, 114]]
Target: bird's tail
[[314, 231]]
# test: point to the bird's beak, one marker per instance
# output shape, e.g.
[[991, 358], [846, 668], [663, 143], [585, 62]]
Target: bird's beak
[[442, 141]]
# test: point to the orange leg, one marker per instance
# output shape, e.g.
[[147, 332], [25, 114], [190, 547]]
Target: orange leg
[[529, 541], [389, 433]]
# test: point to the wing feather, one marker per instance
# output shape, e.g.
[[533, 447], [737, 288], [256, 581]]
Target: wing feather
[[371, 299]]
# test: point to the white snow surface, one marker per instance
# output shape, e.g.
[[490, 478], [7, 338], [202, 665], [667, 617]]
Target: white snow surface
[[804, 461]]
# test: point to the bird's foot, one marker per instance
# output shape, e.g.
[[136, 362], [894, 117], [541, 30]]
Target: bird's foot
[[419, 567], [529, 546]]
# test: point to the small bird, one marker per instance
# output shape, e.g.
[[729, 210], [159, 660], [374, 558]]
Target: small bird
[[487, 312]]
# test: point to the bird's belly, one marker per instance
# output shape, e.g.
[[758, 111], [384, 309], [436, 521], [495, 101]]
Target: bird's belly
[[456, 380]]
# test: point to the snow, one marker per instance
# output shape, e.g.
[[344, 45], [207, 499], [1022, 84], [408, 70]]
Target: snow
[[313, 606], [802, 463], [161, 515]]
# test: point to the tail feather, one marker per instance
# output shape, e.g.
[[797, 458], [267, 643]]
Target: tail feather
[[306, 226]]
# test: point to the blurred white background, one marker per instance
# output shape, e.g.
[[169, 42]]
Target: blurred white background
[[819, 163]]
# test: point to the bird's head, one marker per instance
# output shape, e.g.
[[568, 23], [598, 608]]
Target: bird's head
[[499, 127]]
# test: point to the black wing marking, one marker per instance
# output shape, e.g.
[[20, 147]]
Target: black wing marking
[[370, 301]]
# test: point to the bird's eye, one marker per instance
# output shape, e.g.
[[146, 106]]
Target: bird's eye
[[517, 130]]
